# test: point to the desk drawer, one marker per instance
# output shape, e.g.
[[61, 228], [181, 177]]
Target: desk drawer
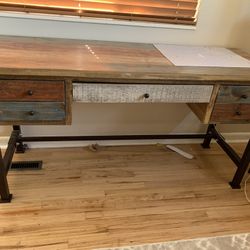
[[31, 111], [232, 105], [138, 93], [234, 94], [231, 113], [29, 90]]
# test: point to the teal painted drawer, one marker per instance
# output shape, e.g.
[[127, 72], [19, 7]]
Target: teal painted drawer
[[32, 112], [234, 94]]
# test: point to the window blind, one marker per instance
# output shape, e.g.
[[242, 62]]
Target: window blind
[[161, 11]]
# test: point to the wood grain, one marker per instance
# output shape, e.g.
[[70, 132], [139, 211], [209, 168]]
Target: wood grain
[[241, 52], [31, 111], [231, 113], [120, 196], [100, 62], [18, 90], [106, 61], [204, 110], [234, 94], [68, 100]]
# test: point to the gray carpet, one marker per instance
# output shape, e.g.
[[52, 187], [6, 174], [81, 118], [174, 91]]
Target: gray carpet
[[230, 242]]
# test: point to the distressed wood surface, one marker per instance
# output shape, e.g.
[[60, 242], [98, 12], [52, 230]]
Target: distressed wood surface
[[68, 102], [231, 113], [18, 90], [31, 111], [204, 110], [110, 61], [241, 53], [121, 93], [119, 196], [234, 94]]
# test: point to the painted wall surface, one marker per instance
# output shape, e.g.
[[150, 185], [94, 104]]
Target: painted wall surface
[[241, 29], [221, 23]]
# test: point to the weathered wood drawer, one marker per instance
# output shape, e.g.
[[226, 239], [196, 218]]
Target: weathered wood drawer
[[137, 93], [231, 113], [32, 111], [30, 90], [234, 94]]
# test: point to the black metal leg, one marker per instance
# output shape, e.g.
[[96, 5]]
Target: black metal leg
[[208, 137], [226, 147], [242, 169], [20, 147], [16, 141], [4, 187], [5, 163], [241, 163]]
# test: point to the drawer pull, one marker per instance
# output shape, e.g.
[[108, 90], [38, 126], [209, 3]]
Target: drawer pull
[[238, 113], [146, 96], [244, 97], [30, 92], [31, 113]]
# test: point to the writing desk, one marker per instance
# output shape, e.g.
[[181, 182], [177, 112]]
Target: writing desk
[[39, 79]]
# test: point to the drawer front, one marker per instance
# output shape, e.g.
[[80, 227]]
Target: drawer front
[[231, 113], [234, 94], [138, 93], [29, 90], [31, 111]]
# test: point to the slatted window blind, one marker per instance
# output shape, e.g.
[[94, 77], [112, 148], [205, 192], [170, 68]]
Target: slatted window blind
[[161, 11]]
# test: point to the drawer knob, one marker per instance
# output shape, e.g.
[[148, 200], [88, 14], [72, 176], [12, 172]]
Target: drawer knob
[[30, 92], [238, 113], [146, 96], [31, 113], [244, 96]]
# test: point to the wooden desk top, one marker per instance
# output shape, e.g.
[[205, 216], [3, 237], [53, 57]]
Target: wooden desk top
[[99, 60]]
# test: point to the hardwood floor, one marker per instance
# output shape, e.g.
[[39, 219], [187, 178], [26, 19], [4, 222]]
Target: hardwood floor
[[121, 196]]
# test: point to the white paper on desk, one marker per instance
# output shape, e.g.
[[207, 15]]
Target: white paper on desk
[[181, 55]]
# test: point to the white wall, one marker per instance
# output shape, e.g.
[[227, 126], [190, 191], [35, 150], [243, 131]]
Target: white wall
[[241, 28], [221, 23]]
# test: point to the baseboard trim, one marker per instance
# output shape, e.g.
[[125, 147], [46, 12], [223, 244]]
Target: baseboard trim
[[230, 137]]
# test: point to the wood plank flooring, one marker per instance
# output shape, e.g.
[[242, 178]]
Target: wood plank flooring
[[121, 196]]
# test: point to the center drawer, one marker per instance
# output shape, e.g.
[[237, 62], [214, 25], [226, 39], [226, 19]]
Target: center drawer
[[29, 90], [138, 93]]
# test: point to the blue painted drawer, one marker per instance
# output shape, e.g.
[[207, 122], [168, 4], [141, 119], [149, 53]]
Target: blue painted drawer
[[32, 111], [234, 94]]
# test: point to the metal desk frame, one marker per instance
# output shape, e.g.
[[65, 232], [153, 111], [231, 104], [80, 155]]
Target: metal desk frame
[[16, 143]]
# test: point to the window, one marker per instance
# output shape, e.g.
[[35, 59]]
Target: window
[[161, 11]]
